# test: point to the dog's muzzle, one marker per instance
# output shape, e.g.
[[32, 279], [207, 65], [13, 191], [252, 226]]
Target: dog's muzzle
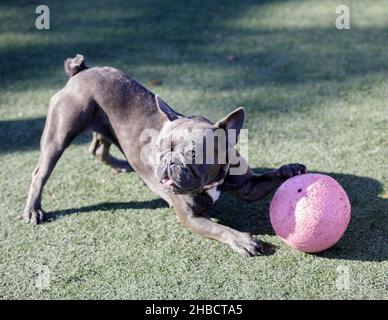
[[173, 173]]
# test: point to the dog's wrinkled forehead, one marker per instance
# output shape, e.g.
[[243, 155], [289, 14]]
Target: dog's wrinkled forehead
[[184, 132]]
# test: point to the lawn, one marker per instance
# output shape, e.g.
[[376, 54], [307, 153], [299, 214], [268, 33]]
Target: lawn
[[313, 94]]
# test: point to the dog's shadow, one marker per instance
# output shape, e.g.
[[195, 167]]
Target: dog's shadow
[[109, 206], [366, 238]]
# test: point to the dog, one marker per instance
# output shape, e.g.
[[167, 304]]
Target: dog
[[117, 109]]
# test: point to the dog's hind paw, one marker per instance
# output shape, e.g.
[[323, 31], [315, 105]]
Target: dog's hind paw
[[34, 216]]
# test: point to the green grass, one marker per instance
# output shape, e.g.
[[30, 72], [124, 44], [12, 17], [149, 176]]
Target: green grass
[[313, 94]]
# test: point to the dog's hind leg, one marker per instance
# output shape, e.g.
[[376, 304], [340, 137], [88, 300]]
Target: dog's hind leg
[[65, 120], [100, 146]]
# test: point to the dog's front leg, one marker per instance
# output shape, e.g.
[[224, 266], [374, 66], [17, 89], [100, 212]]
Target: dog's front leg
[[253, 187], [190, 214]]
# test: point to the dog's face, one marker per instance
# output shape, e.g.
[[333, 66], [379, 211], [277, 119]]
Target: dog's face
[[191, 151]]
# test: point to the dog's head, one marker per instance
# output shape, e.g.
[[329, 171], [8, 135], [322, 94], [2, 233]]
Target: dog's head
[[192, 153]]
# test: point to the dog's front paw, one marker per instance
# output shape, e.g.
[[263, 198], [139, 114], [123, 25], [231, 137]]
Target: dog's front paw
[[34, 216], [246, 245], [290, 170]]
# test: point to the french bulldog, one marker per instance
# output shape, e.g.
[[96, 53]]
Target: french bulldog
[[118, 110]]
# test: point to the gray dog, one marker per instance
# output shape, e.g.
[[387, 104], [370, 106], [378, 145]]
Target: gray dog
[[118, 110]]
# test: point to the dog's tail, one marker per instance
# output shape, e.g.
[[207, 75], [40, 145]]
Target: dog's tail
[[75, 65]]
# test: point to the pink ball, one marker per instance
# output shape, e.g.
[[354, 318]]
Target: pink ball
[[310, 212]]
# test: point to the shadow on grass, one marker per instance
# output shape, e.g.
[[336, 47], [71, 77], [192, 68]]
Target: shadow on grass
[[20, 134], [24, 135], [109, 206]]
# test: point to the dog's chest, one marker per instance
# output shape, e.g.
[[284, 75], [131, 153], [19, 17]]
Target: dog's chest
[[214, 193]]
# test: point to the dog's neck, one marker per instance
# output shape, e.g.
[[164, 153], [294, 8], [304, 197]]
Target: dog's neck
[[212, 188], [213, 193]]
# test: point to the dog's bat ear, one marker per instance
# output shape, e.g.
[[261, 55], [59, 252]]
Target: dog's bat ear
[[233, 121], [165, 110]]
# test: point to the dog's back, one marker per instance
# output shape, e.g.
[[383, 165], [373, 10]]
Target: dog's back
[[108, 87]]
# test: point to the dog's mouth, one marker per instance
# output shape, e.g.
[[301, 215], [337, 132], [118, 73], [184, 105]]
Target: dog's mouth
[[172, 187], [178, 180], [167, 181]]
